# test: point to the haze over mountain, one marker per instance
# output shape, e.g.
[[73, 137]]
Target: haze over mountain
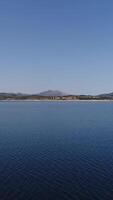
[[55, 93], [106, 95], [52, 93]]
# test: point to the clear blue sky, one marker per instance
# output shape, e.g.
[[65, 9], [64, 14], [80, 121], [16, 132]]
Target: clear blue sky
[[56, 44]]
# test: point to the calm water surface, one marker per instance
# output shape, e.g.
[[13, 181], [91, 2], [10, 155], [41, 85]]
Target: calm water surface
[[56, 150]]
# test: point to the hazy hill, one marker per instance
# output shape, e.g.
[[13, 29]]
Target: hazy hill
[[107, 95], [52, 93]]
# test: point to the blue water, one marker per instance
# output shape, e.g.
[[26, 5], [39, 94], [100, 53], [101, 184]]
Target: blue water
[[56, 150]]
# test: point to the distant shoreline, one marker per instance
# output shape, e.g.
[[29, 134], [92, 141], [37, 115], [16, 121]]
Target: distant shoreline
[[78, 100], [54, 95]]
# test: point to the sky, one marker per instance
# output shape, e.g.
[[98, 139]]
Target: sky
[[62, 45]]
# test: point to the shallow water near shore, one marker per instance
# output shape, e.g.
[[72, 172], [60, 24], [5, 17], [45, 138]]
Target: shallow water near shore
[[56, 150]]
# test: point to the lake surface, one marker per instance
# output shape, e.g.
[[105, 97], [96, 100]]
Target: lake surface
[[56, 150]]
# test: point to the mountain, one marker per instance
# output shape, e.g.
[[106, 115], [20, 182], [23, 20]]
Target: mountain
[[107, 95], [52, 93]]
